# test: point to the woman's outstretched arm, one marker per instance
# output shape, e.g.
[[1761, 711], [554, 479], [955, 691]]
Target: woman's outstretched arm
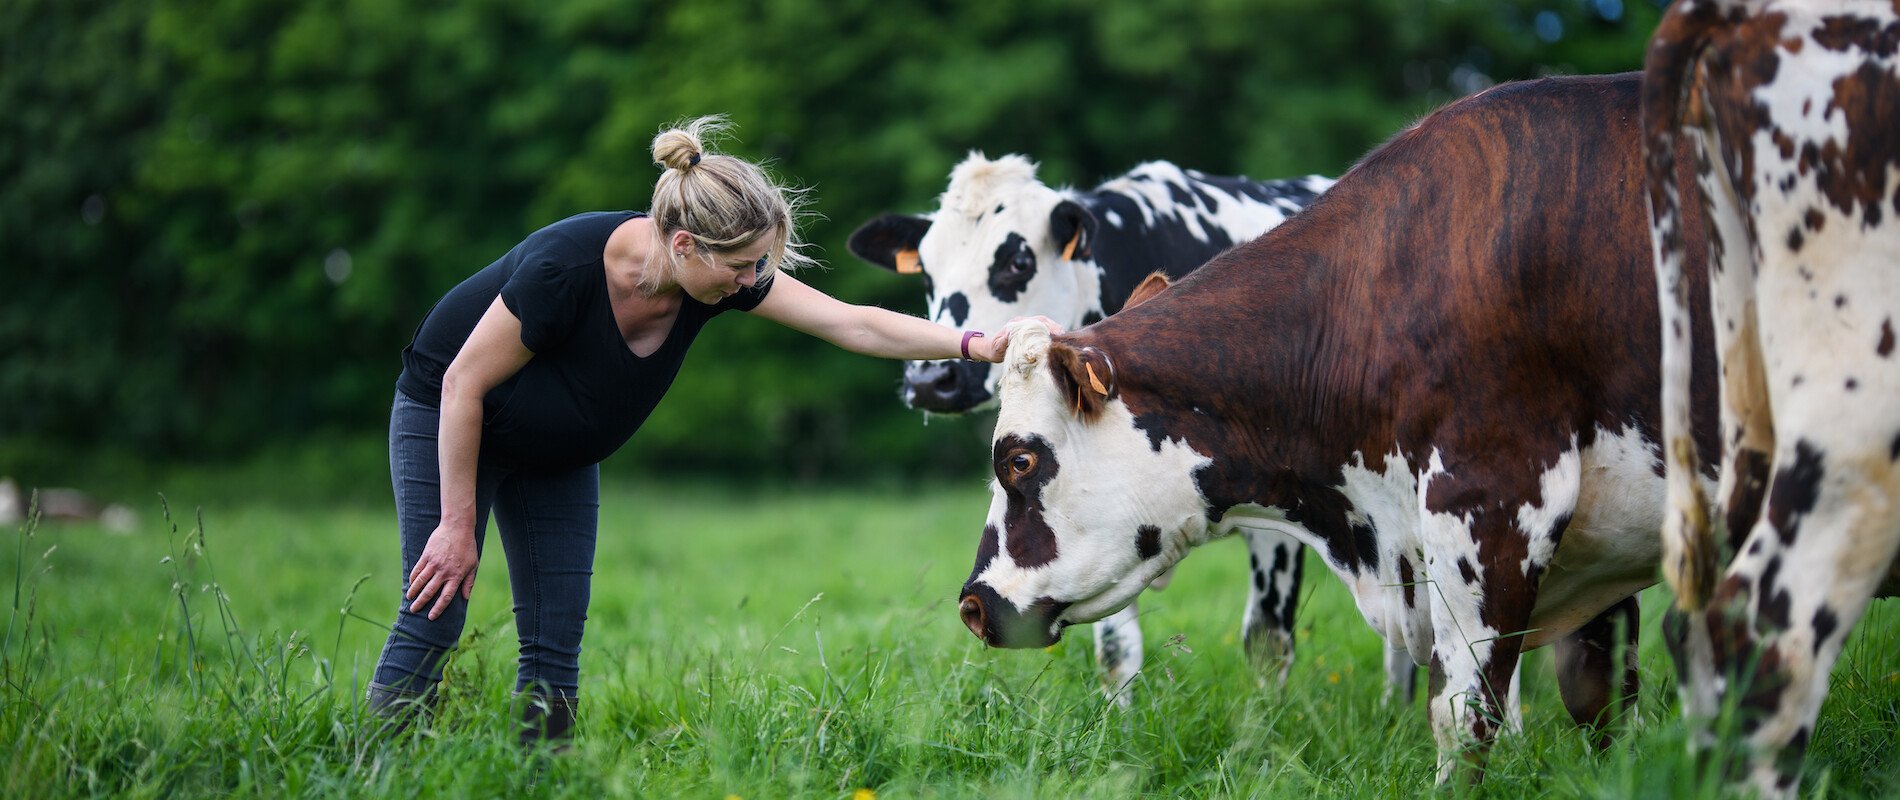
[[874, 331]]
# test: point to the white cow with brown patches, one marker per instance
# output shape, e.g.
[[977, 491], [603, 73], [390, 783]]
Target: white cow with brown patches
[[1794, 110], [1443, 376]]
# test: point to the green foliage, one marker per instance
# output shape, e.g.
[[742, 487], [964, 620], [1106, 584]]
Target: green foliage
[[223, 219], [765, 644]]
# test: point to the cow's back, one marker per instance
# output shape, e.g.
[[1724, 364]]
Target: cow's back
[[1492, 269]]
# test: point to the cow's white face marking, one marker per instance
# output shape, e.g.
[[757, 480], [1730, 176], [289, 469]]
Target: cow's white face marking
[[1108, 483], [991, 245]]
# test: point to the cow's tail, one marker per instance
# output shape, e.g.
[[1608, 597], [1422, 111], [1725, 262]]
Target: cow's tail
[[1689, 544]]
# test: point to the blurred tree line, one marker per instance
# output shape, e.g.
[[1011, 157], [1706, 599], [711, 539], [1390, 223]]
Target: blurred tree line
[[222, 219]]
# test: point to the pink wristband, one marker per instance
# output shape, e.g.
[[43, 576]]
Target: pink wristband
[[967, 336]]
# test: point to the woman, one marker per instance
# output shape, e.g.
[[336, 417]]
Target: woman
[[529, 373]]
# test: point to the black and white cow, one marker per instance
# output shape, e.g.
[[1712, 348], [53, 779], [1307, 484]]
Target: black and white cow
[[1003, 245], [1443, 376], [1794, 110]]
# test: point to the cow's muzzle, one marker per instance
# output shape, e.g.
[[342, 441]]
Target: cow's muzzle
[[945, 387], [997, 622]]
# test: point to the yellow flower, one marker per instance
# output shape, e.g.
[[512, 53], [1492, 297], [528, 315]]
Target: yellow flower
[[734, 797], [864, 794], [1332, 677]]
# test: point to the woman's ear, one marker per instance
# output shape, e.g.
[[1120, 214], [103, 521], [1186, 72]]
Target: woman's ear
[[681, 242]]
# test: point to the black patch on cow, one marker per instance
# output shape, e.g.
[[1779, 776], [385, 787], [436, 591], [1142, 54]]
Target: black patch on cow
[[1090, 319], [1269, 591], [1795, 240], [1148, 542], [1207, 200], [1014, 264], [930, 287], [1893, 450], [1406, 581], [985, 552], [1840, 301], [1788, 761], [1795, 489], [1029, 538], [1771, 601], [1467, 570], [1885, 347], [1179, 194], [1825, 621], [1852, 384], [1298, 565], [999, 208], [1745, 498], [1153, 426], [958, 307], [1558, 526], [1365, 545]]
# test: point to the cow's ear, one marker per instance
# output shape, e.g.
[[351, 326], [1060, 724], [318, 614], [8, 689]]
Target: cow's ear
[[890, 241], [1074, 227], [1154, 284], [1085, 376]]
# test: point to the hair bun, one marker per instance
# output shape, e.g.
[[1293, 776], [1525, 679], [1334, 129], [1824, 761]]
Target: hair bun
[[682, 147]]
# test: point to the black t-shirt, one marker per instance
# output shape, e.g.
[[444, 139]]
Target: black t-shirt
[[584, 393]]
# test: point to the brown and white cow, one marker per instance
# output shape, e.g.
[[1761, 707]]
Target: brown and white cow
[[1794, 112], [1444, 374], [1002, 244]]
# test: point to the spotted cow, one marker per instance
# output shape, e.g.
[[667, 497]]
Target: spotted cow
[[1004, 245], [1443, 376], [1794, 112]]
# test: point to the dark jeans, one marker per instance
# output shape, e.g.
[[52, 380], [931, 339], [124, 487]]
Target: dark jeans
[[548, 520]]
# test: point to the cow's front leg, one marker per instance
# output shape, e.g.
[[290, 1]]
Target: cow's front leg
[[1484, 558], [1118, 652], [1273, 594]]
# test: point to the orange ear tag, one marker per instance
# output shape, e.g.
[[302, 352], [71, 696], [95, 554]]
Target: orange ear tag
[[907, 262], [1068, 250], [1094, 382]]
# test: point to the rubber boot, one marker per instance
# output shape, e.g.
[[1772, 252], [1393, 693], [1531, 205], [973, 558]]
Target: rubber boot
[[397, 709], [548, 719]]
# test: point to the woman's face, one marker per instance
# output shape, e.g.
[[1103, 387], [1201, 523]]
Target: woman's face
[[711, 275]]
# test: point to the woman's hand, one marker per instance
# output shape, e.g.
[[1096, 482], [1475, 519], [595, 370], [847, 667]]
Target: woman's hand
[[993, 347], [448, 563]]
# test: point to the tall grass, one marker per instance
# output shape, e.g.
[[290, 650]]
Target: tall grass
[[760, 644]]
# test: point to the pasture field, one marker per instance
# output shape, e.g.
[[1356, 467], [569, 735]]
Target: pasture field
[[758, 643]]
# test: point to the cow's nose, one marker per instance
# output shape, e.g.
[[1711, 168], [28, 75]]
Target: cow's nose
[[933, 384], [971, 610]]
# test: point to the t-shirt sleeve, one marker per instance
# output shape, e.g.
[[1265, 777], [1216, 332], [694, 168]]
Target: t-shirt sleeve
[[543, 296], [747, 298]]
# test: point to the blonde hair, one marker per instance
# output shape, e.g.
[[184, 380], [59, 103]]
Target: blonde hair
[[723, 202]]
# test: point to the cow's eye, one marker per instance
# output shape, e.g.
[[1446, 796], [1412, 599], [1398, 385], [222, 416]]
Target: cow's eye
[[1023, 262], [1021, 464]]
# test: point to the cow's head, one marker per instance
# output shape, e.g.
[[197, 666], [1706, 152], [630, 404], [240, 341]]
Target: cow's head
[[1086, 507], [1001, 245]]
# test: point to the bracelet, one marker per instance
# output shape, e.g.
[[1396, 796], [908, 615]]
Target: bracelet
[[967, 336]]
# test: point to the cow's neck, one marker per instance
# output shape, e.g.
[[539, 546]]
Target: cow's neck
[[1265, 364]]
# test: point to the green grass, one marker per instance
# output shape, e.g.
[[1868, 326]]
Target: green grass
[[759, 643]]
